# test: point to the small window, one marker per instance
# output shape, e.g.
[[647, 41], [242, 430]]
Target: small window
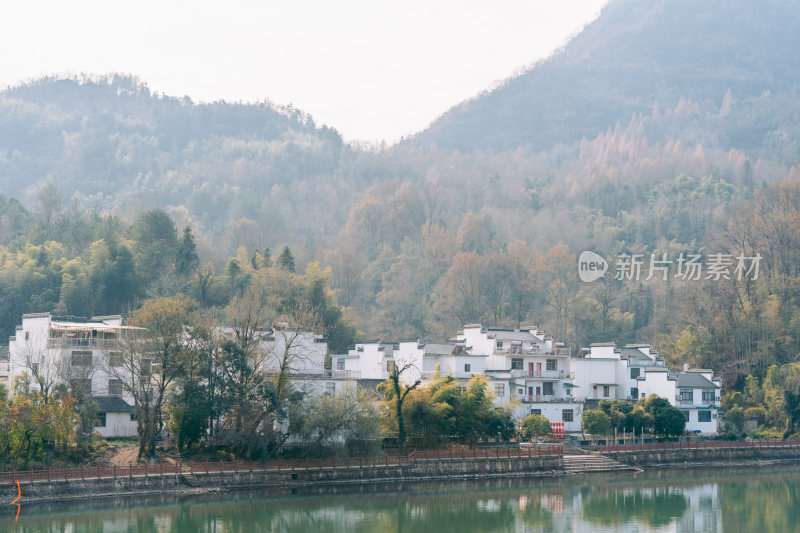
[[566, 415], [536, 411], [687, 395], [547, 388], [114, 387], [115, 359], [133, 416], [635, 372], [340, 364], [704, 416], [552, 364], [516, 363], [634, 393], [82, 359], [81, 386], [499, 390], [390, 366], [467, 367], [708, 396], [499, 345], [101, 420], [27, 335], [330, 388], [685, 415], [520, 391], [35, 369], [606, 391], [568, 391], [147, 367]]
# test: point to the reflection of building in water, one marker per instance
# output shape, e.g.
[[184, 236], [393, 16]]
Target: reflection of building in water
[[649, 509]]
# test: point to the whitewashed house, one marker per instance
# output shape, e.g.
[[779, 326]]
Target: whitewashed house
[[49, 351]]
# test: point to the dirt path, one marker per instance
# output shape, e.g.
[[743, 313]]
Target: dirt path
[[124, 456]]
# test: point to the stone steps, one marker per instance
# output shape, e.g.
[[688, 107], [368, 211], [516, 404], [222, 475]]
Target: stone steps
[[593, 463]]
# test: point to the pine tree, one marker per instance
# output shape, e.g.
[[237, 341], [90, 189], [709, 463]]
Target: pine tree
[[286, 260], [186, 259]]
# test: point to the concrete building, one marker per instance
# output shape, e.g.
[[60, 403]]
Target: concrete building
[[48, 351]]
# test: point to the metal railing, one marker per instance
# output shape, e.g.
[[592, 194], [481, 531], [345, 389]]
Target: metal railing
[[68, 342], [212, 467]]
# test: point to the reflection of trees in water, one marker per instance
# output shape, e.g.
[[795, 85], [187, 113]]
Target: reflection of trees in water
[[655, 507], [765, 506]]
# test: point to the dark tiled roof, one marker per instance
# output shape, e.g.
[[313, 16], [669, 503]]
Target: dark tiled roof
[[692, 380], [112, 404]]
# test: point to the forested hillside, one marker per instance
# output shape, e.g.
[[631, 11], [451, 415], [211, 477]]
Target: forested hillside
[[638, 55], [666, 127]]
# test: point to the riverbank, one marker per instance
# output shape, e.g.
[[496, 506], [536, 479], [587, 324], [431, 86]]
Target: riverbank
[[381, 476]]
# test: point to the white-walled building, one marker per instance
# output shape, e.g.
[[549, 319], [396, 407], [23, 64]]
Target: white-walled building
[[49, 351], [528, 370]]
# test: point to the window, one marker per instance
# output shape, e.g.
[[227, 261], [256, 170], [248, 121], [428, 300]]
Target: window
[[708, 396], [466, 367], [499, 345], [83, 359], [635, 372], [499, 390], [115, 359], [340, 364], [390, 366], [566, 415], [133, 416], [35, 369], [147, 367], [606, 391], [27, 335], [516, 364], [568, 391], [687, 396], [552, 364], [101, 420], [547, 388], [81, 386], [685, 415], [520, 391], [114, 387], [634, 393], [330, 388], [704, 416], [536, 411]]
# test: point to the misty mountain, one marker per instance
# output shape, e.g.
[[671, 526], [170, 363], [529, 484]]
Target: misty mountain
[[110, 142], [640, 54]]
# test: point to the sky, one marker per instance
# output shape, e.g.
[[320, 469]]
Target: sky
[[373, 70]]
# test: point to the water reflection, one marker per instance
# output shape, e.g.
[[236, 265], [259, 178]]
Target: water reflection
[[741, 501]]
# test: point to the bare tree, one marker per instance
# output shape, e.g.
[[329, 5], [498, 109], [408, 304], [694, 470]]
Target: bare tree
[[150, 360]]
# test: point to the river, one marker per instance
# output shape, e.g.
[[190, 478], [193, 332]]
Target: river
[[743, 500]]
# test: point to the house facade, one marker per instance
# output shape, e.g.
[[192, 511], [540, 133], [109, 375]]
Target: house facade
[[47, 351]]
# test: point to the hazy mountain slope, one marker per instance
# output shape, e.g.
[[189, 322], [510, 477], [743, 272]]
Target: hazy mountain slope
[[110, 142], [635, 54]]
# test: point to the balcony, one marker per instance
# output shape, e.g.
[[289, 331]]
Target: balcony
[[541, 374], [91, 343], [342, 374]]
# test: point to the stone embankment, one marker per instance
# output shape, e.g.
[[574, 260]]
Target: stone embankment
[[688, 456], [282, 481]]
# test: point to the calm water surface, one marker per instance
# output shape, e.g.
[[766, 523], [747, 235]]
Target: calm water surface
[[752, 500]]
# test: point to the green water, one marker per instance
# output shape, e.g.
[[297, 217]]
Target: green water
[[753, 500]]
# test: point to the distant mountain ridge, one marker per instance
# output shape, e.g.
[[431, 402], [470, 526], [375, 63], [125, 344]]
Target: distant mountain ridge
[[634, 55]]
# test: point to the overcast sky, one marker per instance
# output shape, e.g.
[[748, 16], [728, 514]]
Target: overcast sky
[[373, 70]]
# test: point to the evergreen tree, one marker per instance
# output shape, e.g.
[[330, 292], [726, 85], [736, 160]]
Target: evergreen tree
[[286, 260], [186, 259]]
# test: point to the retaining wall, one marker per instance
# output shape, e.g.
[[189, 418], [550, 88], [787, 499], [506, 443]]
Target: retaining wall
[[731, 456], [281, 481]]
